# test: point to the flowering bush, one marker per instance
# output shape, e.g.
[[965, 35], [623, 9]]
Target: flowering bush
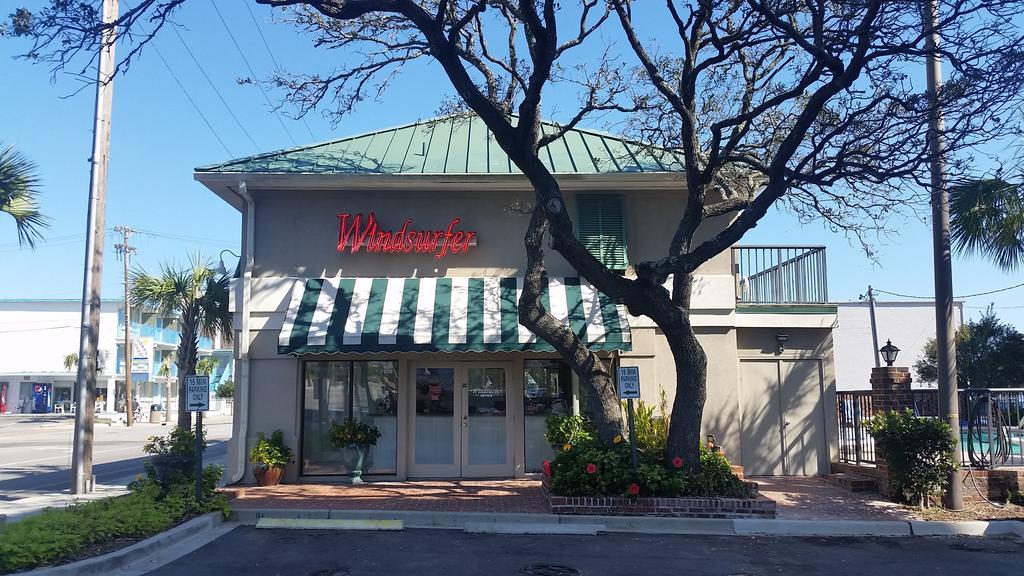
[[585, 466]]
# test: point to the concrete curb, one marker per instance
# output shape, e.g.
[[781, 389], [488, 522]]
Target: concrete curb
[[660, 525], [119, 558]]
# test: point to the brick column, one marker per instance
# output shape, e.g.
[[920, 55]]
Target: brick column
[[890, 388]]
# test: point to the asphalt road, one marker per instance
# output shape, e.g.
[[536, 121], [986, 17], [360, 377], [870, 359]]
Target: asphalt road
[[246, 550], [35, 452]]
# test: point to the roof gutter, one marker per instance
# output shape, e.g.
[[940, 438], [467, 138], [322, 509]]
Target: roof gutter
[[242, 296]]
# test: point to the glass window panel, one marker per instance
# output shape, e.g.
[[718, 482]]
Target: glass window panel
[[435, 415], [375, 401], [487, 441], [547, 389], [325, 400]]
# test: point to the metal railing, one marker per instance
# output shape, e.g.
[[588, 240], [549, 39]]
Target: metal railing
[[780, 274], [991, 425], [856, 446]]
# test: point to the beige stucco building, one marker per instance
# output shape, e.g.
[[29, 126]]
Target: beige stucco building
[[408, 320]]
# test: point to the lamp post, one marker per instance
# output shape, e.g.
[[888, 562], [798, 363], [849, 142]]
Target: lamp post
[[889, 352], [221, 268]]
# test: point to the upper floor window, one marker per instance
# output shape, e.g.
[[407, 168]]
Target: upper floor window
[[601, 228]]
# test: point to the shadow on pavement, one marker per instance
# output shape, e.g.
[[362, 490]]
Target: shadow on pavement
[[52, 478]]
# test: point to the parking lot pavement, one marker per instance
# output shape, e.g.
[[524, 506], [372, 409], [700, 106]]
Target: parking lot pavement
[[452, 553]]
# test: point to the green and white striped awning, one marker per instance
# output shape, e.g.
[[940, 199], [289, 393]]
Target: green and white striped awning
[[479, 314]]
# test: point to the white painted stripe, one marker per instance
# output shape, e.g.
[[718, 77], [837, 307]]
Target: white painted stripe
[[492, 310], [459, 310], [322, 315], [422, 331], [298, 289], [557, 298], [623, 322], [592, 312], [357, 312], [523, 333], [392, 310]]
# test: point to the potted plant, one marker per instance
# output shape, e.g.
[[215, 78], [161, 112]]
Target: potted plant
[[354, 439], [269, 457], [174, 454]]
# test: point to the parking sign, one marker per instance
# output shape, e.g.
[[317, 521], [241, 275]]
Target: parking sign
[[197, 393], [629, 382]]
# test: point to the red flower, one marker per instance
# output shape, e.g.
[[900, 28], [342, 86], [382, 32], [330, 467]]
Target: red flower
[[547, 468], [591, 468], [677, 462], [634, 489]]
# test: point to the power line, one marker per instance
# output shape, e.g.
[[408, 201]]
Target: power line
[[216, 91], [964, 297], [172, 236], [191, 101], [252, 72], [273, 59]]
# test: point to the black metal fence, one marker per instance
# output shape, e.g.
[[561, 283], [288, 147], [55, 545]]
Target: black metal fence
[[781, 274], [991, 425]]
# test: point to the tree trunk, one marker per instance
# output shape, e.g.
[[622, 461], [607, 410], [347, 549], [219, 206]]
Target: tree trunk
[[186, 361], [691, 392], [602, 407]]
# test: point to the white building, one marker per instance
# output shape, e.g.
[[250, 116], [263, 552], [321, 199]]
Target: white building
[[907, 324], [37, 335]]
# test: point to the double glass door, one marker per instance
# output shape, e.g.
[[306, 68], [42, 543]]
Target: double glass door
[[461, 422]]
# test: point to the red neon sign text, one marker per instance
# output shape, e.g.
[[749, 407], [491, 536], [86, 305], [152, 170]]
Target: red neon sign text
[[354, 235]]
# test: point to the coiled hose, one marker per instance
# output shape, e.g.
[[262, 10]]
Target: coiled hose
[[986, 434]]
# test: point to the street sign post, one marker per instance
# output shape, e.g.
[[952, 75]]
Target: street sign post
[[197, 399], [629, 388]]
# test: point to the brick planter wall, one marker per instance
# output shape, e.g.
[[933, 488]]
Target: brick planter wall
[[996, 485], [757, 507]]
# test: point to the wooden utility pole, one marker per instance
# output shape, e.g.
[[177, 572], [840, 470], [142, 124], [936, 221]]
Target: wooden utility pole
[[874, 327], [949, 403], [125, 251], [81, 458]]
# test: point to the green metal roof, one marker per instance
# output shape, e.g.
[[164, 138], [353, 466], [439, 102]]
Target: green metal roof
[[453, 145]]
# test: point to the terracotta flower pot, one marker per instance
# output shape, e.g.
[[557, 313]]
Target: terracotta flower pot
[[266, 476]]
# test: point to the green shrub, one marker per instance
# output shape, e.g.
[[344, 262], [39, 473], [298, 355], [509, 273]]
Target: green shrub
[[178, 442], [561, 430], [225, 390], [272, 452], [59, 535], [921, 453], [651, 430]]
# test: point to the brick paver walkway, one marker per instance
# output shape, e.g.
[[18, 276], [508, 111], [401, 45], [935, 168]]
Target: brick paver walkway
[[797, 498], [811, 498], [431, 495]]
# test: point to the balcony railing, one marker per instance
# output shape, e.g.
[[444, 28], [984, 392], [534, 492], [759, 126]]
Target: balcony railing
[[780, 274]]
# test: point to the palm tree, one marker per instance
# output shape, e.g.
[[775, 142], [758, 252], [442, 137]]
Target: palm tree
[[206, 366], [986, 216], [199, 299], [19, 186]]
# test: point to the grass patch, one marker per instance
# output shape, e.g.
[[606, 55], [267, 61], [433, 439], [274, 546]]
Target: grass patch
[[60, 535]]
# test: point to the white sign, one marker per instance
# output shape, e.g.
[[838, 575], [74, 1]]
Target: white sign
[[197, 393], [140, 355], [629, 381]]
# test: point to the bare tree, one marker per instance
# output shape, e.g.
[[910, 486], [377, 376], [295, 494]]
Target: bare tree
[[809, 103]]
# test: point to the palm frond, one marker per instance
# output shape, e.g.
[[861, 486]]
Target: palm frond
[[987, 218], [19, 187]]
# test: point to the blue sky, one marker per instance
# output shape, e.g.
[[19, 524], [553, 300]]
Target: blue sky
[[158, 138]]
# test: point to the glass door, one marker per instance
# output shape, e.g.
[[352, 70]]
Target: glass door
[[486, 442], [436, 450], [461, 422]]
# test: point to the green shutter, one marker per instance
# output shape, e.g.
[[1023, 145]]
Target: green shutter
[[601, 228]]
